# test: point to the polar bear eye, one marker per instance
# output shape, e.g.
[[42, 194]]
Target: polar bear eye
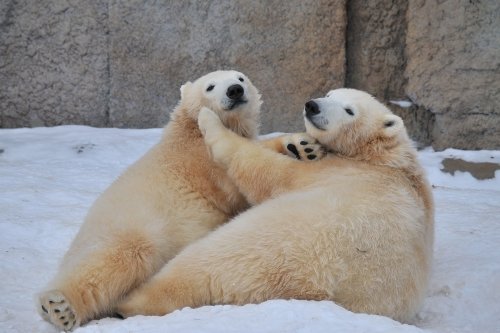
[[349, 111], [241, 79], [389, 123], [210, 87]]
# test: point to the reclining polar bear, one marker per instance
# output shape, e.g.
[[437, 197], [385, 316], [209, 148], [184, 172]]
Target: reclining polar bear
[[355, 228]]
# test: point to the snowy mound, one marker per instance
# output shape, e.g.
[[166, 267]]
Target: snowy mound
[[49, 177], [271, 316]]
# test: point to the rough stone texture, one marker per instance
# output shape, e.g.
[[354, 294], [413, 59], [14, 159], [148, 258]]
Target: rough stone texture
[[376, 60], [419, 122], [121, 63], [291, 51], [376, 34], [453, 69], [53, 63]]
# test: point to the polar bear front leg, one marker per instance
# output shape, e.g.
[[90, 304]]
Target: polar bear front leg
[[301, 146], [296, 145], [258, 172], [221, 141]]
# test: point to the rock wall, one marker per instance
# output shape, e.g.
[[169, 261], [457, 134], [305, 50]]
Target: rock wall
[[442, 56], [53, 63], [375, 47], [376, 59], [117, 63], [290, 50], [120, 64], [453, 69]]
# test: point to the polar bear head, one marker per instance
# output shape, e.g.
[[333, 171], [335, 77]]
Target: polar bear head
[[354, 124], [230, 94]]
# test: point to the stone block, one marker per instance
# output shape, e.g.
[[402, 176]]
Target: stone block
[[453, 69], [53, 63], [291, 51]]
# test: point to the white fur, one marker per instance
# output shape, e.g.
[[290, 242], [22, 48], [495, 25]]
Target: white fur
[[172, 196], [355, 228]]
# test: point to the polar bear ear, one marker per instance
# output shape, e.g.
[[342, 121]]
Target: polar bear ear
[[392, 125], [184, 88]]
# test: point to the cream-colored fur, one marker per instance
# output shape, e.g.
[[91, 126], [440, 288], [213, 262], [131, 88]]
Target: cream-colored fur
[[169, 198], [355, 228]]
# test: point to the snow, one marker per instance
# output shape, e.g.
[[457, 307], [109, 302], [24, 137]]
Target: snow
[[402, 104], [49, 177]]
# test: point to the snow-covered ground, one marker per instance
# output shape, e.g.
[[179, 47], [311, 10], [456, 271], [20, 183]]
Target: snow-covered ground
[[50, 176]]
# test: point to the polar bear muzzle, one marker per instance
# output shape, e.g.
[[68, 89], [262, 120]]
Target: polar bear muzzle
[[312, 111], [235, 94], [311, 108]]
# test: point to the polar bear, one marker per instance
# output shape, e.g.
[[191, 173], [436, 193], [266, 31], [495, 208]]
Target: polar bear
[[355, 227], [170, 197]]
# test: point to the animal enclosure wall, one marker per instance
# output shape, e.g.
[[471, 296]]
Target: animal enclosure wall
[[121, 63]]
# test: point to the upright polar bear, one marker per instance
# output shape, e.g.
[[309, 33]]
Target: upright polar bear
[[355, 228], [169, 198]]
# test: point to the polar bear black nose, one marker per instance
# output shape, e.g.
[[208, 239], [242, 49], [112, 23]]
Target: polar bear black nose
[[235, 92], [311, 108]]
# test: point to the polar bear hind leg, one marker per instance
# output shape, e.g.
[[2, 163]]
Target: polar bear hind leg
[[91, 286]]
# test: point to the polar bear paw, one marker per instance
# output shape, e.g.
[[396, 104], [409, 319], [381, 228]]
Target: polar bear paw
[[303, 147], [208, 121], [55, 308]]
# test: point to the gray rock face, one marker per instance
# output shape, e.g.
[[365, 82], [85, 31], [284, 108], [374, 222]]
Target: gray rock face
[[376, 59], [376, 47], [121, 63], [290, 50], [53, 63], [453, 70]]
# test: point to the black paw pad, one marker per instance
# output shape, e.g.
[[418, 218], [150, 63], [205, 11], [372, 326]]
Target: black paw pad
[[311, 157], [291, 147]]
